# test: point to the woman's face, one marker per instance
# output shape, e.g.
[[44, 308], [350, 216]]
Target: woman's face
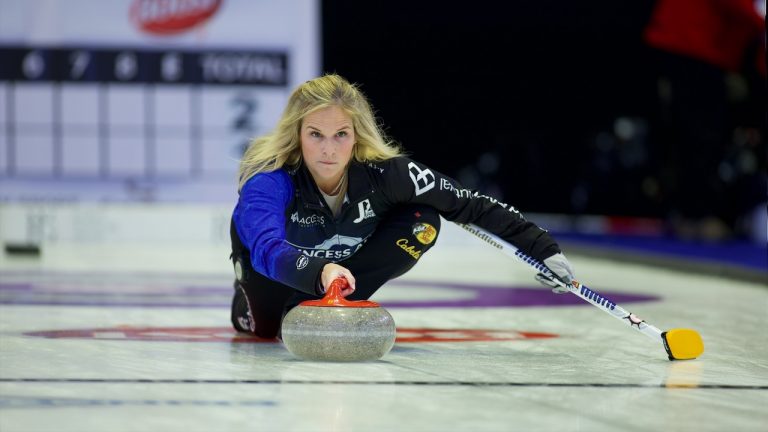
[[327, 139]]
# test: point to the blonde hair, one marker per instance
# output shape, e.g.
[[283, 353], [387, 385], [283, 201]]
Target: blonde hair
[[282, 146]]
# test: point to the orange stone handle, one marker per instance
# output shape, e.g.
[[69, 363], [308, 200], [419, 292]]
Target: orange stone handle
[[333, 297]]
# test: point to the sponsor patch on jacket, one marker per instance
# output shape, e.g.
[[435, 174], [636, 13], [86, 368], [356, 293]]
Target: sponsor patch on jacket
[[423, 179], [365, 210], [308, 221], [409, 249], [334, 248], [424, 233]]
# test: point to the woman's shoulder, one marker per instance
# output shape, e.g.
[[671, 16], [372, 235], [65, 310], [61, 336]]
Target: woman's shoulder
[[389, 165], [269, 180]]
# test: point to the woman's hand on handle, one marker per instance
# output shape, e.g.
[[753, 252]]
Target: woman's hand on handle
[[332, 271], [562, 269]]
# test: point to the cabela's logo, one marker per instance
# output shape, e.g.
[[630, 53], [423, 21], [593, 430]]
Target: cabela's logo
[[410, 250], [424, 233], [168, 17]]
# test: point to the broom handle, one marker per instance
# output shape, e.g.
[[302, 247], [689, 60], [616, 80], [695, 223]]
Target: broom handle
[[589, 295]]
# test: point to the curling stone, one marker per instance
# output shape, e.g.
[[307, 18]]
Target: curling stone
[[338, 330]]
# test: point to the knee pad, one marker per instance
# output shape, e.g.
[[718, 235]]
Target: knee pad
[[242, 266]]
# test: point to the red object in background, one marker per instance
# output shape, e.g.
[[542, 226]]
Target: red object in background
[[168, 17], [635, 226], [715, 31], [229, 335]]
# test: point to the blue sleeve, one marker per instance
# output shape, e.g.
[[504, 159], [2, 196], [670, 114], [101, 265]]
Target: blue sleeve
[[259, 219]]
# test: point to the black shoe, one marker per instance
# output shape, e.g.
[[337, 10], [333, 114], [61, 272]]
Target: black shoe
[[242, 318]]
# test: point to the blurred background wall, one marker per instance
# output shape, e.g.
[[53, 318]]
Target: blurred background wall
[[565, 107], [558, 107]]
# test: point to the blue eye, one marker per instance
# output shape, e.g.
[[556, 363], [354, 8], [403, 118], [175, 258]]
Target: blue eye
[[342, 134], [315, 134]]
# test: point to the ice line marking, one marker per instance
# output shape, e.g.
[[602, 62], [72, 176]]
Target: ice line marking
[[396, 383]]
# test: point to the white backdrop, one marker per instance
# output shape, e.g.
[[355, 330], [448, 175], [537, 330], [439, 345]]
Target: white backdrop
[[143, 100]]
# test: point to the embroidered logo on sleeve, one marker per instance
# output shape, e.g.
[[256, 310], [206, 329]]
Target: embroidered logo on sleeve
[[423, 179], [424, 233], [408, 248], [302, 262]]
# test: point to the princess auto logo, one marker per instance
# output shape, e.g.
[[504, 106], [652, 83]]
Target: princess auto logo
[[168, 17], [336, 247]]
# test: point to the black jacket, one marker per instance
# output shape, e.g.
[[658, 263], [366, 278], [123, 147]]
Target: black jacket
[[287, 232]]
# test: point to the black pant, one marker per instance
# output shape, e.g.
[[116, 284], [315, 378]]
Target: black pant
[[260, 303]]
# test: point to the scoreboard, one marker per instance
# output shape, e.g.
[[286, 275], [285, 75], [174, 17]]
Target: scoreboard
[[135, 117], [132, 65], [122, 113]]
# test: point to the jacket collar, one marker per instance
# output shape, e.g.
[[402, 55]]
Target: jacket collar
[[359, 183]]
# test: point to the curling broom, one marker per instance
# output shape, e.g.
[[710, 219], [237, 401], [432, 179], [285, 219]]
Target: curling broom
[[680, 344]]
